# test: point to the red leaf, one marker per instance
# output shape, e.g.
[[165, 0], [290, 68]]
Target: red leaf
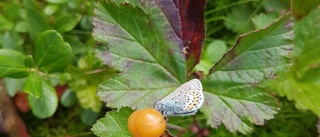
[[193, 29], [187, 20], [21, 102], [60, 90]]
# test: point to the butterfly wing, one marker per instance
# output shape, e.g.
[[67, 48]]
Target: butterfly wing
[[195, 96], [185, 100]]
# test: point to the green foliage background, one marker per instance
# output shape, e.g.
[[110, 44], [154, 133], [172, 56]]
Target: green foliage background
[[27, 27]]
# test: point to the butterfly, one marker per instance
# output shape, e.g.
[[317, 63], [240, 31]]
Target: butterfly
[[184, 101]]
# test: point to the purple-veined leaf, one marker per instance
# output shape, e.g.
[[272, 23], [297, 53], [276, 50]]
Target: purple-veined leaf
[[144, 47], [233, 94]]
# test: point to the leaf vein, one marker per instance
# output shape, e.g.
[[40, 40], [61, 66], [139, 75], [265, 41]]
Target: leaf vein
[[157, 61]]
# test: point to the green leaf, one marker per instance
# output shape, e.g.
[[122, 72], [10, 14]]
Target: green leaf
[[302, 83], [52, 54], [33, 85], [46, 105], [239, 19], [77, 4], [233, 94], [12, 10], [89, 117], [214, 51], [5, 24], [36, 20], [84, 83], [30, 4], [67, 22], [14, 85], [144, 47], [302, 8], [277, 5], [57, 1], [12, 40], [114, 124], [12, 64], [89, 99], [211, 54], [22, 27], [262, 20], [50, 9], [78, 48], [132, 2], [86, 22], [68, 98], [29, 62]]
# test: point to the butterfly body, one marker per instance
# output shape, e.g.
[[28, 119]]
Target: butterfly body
[[184, 101]]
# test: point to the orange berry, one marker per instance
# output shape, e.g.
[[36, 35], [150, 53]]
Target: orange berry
[[146, 123]]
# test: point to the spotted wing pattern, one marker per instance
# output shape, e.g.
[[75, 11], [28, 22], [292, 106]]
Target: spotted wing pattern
[[185, 100]]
